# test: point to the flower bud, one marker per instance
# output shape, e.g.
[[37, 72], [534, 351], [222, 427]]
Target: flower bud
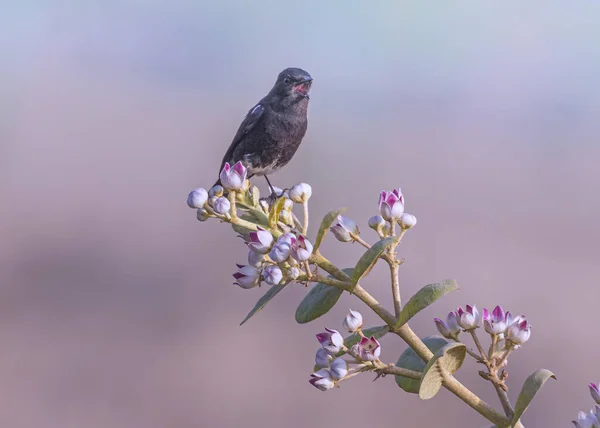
[[331, 341], [353, 321], [260, 240], [338, 368], [407, 221], [215, 191], [255, 259], [281, 250], [301, 248], [233, 178], [391, 204], [322, 380], [587, 420], [301, 193], [343, 228], [369, 349], [293, 272], [247, 276], [197, 198], [495, 322], [468, 319], [595, 392], [272, 275], [322, 358], [202, 214], [376, 222], [221, 205], [449, 329], [518, 333], [279, 192]]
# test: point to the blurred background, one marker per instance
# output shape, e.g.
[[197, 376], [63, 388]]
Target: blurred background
[[117, 307]]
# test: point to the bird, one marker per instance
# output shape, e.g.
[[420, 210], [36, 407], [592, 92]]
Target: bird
[[273, 129]]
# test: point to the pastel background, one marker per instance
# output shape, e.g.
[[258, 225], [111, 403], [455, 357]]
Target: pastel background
[[116, 305]]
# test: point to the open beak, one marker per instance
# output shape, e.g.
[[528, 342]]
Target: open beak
[[303, 87]]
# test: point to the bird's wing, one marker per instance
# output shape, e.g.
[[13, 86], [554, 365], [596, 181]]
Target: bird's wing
[[246, 126]]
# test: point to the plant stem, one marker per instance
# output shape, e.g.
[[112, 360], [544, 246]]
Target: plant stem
[[399, 371], [305, 218], [365, 244], [478, 344]]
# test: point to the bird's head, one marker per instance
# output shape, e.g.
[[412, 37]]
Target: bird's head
[[293, 82]]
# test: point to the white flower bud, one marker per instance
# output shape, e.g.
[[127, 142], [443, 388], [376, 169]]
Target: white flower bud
[[260, 240], [301, 193], [247, 276], [272, 275], [322, 359], [322, 380], [407, 221], [202, 214], [344, 228], [221, 205], [197, 198], [353, 321], [293, 272], [331, 340], [280, 251], [338, 368], [255, 259], [216, 191]]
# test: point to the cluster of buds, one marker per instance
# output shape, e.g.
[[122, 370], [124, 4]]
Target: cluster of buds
[[391, 212], [333, 368], [273, 260], [591, 419], [515, 330]]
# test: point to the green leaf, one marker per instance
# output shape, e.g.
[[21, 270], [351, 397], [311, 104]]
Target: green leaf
[[425, 297], [275, 211], [445, 361], [532, 385], [319, 300], [325, 225], [377, 332], [369, 258], [410, 360], [262, 302]]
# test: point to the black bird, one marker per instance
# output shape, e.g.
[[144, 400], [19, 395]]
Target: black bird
[[273, 129]]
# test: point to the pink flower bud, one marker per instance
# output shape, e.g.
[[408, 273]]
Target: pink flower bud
[[301, 193], [343, 228], [338, 368], [272, 275], [518, 333], [331, 341], [391, 204], [353, 321], [260, 240], [369, 349], [247, 276], [322, 380], [495, 322], [197, 198], [595, 392], [407, 221], [322, 358], [233, 178], [221, 205], [449, 329], [301, 248], [468, 319]]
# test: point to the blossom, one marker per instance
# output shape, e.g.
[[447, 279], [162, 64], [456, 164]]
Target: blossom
[[468, 319], [301, 248], [331, 341], [260, 240], [369, 349], [391, 204], [247, 276], [233, 178], [344, 228], [353, 321]]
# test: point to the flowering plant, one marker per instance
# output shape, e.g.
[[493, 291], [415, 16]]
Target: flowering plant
[[281, 253]]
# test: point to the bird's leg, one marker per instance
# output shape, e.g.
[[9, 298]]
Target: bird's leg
[[273, 196]]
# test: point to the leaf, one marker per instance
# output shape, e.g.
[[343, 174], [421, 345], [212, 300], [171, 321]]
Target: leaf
[[275, 211], [425, 297], [446, 361], [262, 302], [319, 300], [532, 385], [410, 360], [377, 332], [325, 225], [369, 258]]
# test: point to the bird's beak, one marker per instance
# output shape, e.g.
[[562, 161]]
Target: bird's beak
[[304, 86]]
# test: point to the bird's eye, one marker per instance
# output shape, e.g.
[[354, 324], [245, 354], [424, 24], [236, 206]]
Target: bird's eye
[[287, 80]]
